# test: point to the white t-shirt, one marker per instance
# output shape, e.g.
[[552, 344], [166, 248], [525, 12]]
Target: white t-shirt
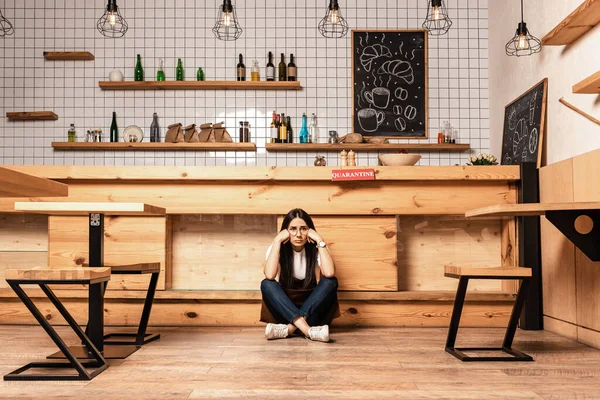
[[299, 262]]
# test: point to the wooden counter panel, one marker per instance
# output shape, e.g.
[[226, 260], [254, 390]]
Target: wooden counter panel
[[20, 260], [127, 240], [20, 232], [317, 198]]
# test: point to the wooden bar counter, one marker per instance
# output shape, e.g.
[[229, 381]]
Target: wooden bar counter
[[390, 239]]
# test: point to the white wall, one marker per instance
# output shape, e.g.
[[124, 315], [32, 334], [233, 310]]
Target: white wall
[[568, 133]]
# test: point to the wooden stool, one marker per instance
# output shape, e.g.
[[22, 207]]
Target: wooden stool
[[96, 278], [463, 274]]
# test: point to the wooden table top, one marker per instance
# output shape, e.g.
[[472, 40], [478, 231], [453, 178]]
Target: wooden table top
[[529, 209], [18, 184], [85, 208]]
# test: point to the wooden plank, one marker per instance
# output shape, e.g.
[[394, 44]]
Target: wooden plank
[[85, 208], [58, 274], [154, 146], [426, 244], [530, 209], [144, 268], [586, 175], [588, 336], [576, 24], [560, 327], [31, 116], [365, 147], [21, 232], [412, 173], [454, 271], [590, 85], [558, 252], [68, 56], [19, 184], [509, 245], [20, 260], [127, 240], [200, 85]]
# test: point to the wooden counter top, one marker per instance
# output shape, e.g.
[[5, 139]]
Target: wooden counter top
[[412, 173]]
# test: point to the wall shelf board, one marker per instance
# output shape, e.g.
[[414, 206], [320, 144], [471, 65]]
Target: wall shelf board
[[68, 56], [32, 116], [590, 85], [576, 24], [199, 85], [154, 146], [365, 147]]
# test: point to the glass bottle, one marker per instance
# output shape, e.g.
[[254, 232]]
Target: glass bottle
[[274, 129], [114, 129], [291, 69], [241, 70], [179, 72], [290, 132], [304, 134], [313, 129], [139, 71], [283, 129], [99, 135], [255, 72], [72, 134], [282, 71], [160, 74], [270, 68], [154, 129], [200, 74], [244, 132]]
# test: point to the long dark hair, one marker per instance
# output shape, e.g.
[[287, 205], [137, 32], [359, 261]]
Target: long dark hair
[[286, 255]]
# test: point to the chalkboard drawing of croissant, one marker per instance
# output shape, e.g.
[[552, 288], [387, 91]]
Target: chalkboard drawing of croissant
[[398, 68], [371, 53]]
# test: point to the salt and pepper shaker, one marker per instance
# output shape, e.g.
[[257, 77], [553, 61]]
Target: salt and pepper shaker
[[351, 159], [343, 159]]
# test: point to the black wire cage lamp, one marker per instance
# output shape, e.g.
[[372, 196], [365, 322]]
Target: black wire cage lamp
[[227, 26], [437, 21], [523, 43], [333, 24], [112, 24], [6, 28]]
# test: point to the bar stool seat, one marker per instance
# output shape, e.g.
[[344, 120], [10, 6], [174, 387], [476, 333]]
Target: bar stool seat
[[44, 276], [463, 274]]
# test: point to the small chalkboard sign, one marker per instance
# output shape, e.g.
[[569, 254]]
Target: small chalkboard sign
[[524, 126], [389, 83]]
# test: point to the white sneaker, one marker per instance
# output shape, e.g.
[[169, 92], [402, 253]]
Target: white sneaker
[[319, 333], [276, 331]]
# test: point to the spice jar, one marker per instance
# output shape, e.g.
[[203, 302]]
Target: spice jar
[[244, 131], [333, 137]]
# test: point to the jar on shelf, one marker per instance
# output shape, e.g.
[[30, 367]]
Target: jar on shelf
[[244, 132]]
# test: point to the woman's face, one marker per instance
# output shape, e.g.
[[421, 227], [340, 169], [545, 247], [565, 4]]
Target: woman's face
[[298, 233]]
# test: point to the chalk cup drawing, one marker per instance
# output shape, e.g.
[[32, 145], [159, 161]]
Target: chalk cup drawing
[[398, 109], [401, 93], [533, 140], [400, 69], [379, 97], [400, 124], [532, 107], [410, 112], [371, 53], [370, 119]]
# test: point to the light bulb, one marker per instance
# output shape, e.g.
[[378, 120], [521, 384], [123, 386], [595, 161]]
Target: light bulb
[[334, 17], [112, 19], [437, 13], [227, 18], [522, 45]]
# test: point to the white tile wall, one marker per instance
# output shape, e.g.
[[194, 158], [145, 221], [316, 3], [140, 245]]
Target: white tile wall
[[458, 75]]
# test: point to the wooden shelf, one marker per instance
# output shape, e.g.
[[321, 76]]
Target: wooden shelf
[[199, 85], [154, 146], [68, 56], [590, 85], [19, 184], [365, 147], [32, 116], [584, 18], [529, 209]]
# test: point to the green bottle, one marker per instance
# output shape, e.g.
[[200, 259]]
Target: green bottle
[[179, 75], [139, 71], [200, 74], [160, 74], [114, 130]]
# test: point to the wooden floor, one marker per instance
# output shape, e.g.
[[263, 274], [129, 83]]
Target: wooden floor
[[379, 363]]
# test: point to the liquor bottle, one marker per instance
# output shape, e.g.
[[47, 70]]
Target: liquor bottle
[[72, 134], [282, 72], [160, 74], [200, 74], [290, 132], [304, 135], [255, 72], [154, 129], [291, 69], [283, 129], [241, 70], [139, 71], [270, 68], [114, 129], [313, 129], [274, 130], [179, 72]]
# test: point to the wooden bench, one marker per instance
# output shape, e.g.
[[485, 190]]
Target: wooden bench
[[96, 278], [463, 274]]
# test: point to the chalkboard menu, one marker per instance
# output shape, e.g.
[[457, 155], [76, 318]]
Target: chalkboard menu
[[524, 126], [389, 83]]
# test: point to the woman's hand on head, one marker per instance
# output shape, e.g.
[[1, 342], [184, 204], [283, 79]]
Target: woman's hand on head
[[314, 237], [283, 236]]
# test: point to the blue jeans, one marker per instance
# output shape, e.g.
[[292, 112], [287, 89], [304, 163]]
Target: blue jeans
[[314, 309]]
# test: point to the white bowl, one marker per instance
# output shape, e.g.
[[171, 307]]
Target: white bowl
[[399, 159], [115, 76]]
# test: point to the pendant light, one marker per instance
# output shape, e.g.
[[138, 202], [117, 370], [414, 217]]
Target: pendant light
[[437, 21], [227, 26], [333, 24], [523, 43], [6, 28], [112, 24]]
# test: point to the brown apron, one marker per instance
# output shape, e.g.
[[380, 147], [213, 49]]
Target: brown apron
[[298, 297]]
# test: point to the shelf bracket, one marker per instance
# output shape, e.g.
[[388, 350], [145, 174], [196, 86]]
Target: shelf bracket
[[581, 227]]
